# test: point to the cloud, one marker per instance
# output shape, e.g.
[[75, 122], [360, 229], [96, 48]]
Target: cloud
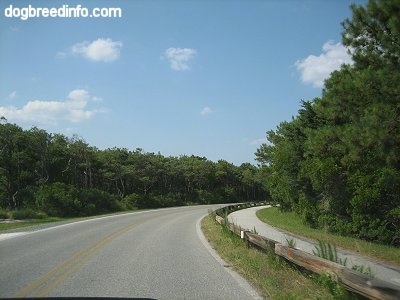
[[12, 95], [73, 109], [105, 50], [179, 58], [206, 111], [259, 141], [315, 69]]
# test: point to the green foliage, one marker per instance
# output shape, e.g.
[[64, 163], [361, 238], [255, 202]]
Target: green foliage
[[64, 176], [62, 200], [337, 163], [23, 214], [366, 270], [329, 252], [291, 243], [130, 201], [58, 199], [374, 33], [4, 214], [94, 201], [338, 291]]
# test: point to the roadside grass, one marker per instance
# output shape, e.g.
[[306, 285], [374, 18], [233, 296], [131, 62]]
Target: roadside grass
[[290, 222], [270, 274], [28, 223], [15, 224]]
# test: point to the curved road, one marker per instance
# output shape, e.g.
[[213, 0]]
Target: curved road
[[158, 254]]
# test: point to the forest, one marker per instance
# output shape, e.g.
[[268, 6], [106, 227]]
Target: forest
[[337, 163], [55, 175]]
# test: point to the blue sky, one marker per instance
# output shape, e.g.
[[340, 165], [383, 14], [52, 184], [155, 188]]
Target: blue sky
[[207, 78]]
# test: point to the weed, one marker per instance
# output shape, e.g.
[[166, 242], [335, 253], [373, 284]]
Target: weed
[[329, 252], [272, 275], [366, 270], [335, 289], [291, 243]]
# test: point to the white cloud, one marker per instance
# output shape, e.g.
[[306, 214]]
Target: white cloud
[[206, 111], [315, 69], [179, 58], [73, 109], [105, 50], [259, 141], [12, 95]]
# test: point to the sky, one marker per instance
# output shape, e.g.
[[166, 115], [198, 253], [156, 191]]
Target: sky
[[206, 78]]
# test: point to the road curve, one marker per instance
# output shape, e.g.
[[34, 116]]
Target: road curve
[[157, 254]]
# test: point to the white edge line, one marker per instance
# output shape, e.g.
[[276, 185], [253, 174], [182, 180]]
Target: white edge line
[[239, 279], [10, 235]]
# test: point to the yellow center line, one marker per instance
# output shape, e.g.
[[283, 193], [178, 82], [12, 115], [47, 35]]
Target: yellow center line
[[46, 283]]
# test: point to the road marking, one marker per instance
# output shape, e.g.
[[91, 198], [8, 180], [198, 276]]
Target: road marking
[[46, 283], [239, 279]]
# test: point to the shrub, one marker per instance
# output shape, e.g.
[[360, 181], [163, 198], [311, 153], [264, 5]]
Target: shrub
[[4, 214], [94, 201], [58, 199], [130, 202], [41, 215], [23, 214]]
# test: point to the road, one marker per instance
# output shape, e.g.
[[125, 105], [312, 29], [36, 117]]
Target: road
[[157, 254]]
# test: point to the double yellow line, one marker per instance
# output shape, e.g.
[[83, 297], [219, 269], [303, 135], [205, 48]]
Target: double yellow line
[[46, 283]]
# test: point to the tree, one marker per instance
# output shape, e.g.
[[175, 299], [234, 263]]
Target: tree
[[373, 34], [338, 162]]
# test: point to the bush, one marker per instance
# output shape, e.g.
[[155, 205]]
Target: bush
[[58, 199], [94, 201], [130, 202], [41, 215], [23, 214], [4, 214]]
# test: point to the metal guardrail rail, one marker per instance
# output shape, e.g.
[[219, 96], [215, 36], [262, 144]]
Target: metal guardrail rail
[[351, 280]]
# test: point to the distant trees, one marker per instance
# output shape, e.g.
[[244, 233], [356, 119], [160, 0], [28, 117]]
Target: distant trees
[[63, 176], [337, 163]]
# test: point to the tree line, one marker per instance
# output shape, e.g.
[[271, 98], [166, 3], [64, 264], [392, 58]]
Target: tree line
[[337, 163], [63, 176]]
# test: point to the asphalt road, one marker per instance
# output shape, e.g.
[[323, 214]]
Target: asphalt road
[[157, 254]]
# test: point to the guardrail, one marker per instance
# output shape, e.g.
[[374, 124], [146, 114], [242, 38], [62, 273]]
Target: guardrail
[[352, 280]]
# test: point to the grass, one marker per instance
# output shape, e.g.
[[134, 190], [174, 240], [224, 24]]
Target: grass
[[271, 275], [289, 221], [33, 222], [27, 223]]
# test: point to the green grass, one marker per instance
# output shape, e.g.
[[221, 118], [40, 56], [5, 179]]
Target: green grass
[[271, 275], [289, 221], [27, 223]]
